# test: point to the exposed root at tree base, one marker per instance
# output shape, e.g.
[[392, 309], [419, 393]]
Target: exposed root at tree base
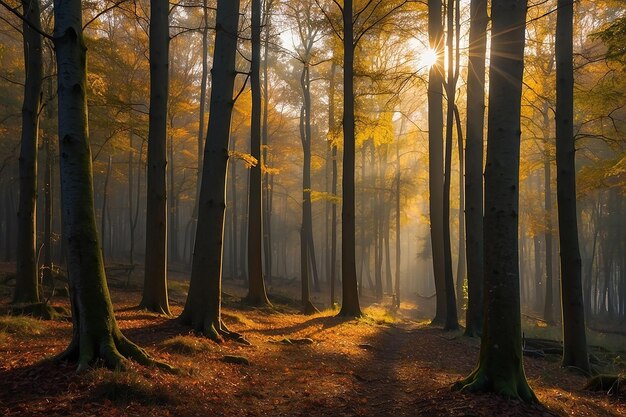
[[309, 309], [114, 350], [513, 387], [217, 331]]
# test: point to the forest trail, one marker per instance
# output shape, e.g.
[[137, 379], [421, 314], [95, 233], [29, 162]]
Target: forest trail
[[389, 363]]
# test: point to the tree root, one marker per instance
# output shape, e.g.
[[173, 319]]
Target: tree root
[[512, 388], [309, 309], [115, 351]]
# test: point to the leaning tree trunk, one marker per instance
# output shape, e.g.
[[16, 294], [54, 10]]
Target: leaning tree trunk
[[155, 266], [435, 157], [203, 306], [350, 295], [26, 284], [574, 337], [95, 332], [474, 166], [500, 367], [256, 284]]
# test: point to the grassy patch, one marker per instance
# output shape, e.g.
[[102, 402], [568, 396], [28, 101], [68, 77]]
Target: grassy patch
[[236, 318], [21, 326], [126, 387], [186, 345], [378, 315]]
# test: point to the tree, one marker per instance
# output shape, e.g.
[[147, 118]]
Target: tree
[[350, 296], [574, 337], [256, 284], [474, 165], [96, 334], [26, 288], [451, 319], [500, 367], [203, 306], [435, 156], [155, 278]]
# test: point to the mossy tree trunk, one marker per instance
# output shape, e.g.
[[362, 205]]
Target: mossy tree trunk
[[256, 284], [203, 306], [95, 330], [350, 296], [26, 288], [574, 337], [155, 266], [500, 368]]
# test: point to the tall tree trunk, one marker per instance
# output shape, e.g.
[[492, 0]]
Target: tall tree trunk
[[474, 168], [451, 321], [47, 217], [350, 296], [203, 306], [574, 337], [267, 206], [548, 307], [398, 235], [500, 368], [435, 157], [155, 266], [235, 221], [256, 284], [95, 331], [460, 269], [333, 190], [26, 284]]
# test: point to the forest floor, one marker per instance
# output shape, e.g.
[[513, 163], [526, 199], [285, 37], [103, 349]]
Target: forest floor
[[387, 363]]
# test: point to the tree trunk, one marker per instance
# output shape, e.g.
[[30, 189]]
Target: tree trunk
[[203, 306], [460, 269], [451, 320], [95, 331], [103, 211], [155, 278], [500, 367], [333, 145], [350, 295], [474, 166], [26, 280], [256, 284], [435, 157], [548, 307], [267, 205], [47, 217], [574, 337]]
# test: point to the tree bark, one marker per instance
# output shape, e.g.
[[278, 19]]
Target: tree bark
[[500, 367], [26, 285], [155, 278], [574, 337], [451, 319], [95, 331], [256, 284], [203, 306], [333, 190], [435, 157], [474, 166], [350, 296]]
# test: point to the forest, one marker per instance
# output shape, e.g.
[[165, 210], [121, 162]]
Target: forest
[[313, 207]]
